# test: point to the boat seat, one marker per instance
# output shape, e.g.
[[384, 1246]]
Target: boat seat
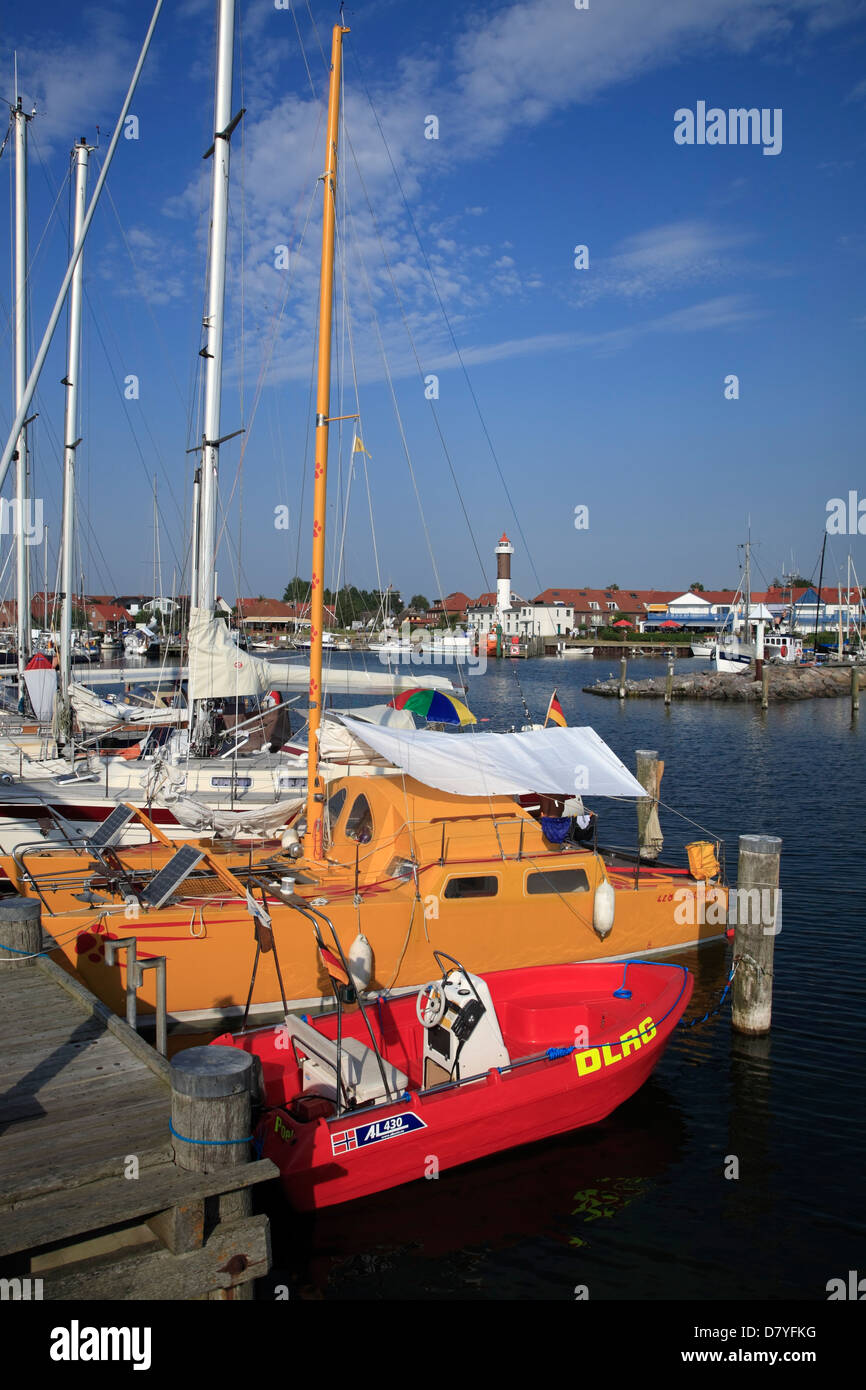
[[362, 1076]]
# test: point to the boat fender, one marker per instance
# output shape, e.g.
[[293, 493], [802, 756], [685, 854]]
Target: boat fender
[[361, 961], [272, 698], [289, 838], [603, 909]]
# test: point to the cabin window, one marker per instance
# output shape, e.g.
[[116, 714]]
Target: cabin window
[[557, 881], [479, 886], [334, 806], [359, 825]]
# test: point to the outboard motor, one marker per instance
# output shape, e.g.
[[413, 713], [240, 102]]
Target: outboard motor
[[462, 1037]]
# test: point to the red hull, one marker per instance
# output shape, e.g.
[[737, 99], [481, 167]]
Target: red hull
[[329, 1160]]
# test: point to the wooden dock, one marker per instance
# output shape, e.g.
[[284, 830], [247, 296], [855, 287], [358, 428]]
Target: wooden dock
[[94, 1201]]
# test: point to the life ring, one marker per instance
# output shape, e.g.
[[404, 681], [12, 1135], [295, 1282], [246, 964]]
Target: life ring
[[272, 698]]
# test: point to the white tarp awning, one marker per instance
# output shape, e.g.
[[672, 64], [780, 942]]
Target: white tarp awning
[[338, 744], [220, 669], [553, 761]]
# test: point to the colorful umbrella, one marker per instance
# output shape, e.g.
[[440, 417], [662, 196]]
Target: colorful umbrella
[[623, 622], [670, 623], [435, 707]]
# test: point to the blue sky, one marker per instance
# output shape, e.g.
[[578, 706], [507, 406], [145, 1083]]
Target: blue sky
[[602, 387]]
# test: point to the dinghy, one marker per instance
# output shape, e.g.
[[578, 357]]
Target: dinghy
[[358, 1102]]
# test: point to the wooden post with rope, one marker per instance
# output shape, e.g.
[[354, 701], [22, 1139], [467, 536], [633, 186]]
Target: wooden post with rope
[[649, 774], [757, 917]]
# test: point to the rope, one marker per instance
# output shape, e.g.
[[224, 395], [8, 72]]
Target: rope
[[693, 1022], [247, 1139]]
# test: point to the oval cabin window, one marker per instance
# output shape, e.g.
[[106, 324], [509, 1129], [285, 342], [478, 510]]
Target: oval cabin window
[[479, 886], [557, 881], [359, 825]]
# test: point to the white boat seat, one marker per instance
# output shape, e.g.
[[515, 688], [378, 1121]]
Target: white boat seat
[[362, 1077]]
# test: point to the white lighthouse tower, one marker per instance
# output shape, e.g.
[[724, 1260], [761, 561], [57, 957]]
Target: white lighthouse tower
[[504, 552]]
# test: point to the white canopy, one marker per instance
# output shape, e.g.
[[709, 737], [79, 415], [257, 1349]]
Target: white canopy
[[337, 744], [552, 761], [220, 669]]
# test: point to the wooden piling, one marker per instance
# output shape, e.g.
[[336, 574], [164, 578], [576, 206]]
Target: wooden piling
[[855, 690], [649, 774], [669, 683], [757, 917], [765, 687], [623, 668], [211, 1101], [20, 932]]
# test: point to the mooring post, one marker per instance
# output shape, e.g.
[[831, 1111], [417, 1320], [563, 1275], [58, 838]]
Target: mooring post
[[211, 1106], [669, 682], [623, 667], [20, 932], [757, 917], [855, 690], [765, 687], [649, 774], [211, 1110]]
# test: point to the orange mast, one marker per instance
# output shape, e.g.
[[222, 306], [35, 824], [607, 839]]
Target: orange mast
[[315, 785]]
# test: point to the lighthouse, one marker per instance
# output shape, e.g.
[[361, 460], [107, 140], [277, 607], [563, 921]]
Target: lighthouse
[[504, 552]]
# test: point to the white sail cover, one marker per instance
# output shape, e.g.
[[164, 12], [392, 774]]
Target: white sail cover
[[264, 820], [552, 761], [220, 669], [96, 715]]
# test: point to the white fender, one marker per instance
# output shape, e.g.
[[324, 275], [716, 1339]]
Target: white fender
[[603, 909], [360, 960]]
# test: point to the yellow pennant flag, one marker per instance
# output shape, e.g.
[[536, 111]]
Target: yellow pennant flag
[[358, 446]]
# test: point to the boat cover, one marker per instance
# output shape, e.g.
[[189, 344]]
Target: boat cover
[[552, 761], [220, 669], [96, 715]]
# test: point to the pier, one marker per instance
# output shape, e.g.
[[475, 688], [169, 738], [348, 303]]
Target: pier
[[97, 1196]]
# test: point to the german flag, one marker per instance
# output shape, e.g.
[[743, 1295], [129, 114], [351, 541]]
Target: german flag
[[333, 965], [554, 713]]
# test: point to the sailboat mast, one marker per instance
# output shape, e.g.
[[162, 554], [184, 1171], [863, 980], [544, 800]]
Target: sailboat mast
[[213, 323], [80, 160], [315, 785], [22, 462]]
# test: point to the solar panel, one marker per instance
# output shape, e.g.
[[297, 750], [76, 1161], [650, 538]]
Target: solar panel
[[111, 828], [171, 876]]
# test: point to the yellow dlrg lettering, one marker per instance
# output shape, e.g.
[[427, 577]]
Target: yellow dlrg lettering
[[629, 1042], [609, 1057], [588, 1061], [647, 1029]]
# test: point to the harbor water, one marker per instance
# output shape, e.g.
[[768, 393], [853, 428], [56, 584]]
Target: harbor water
[[735, 1173]]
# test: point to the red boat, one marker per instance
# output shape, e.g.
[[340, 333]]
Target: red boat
[[404, 1087]]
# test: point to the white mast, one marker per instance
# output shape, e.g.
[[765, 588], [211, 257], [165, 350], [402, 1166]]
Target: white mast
[[80, 160], [22, 460], [212, 352]]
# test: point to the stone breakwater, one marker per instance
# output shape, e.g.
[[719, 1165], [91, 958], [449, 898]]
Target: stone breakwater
[[786, 683]]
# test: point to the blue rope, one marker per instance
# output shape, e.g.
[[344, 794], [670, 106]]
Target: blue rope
[[33, 955], [622, 992], [692, 1022], [186, 1140], [553, 1053]]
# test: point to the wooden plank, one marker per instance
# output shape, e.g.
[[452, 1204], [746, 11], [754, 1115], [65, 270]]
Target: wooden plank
[[118, 1026], [57, 1216], [70, 1095], [233, 1255]]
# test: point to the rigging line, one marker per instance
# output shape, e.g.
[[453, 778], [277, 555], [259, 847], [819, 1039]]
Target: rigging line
[[420, 368], [355, 57], [354, 365], [140, 282], [110, 363], [260, 383], [396, 409]]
